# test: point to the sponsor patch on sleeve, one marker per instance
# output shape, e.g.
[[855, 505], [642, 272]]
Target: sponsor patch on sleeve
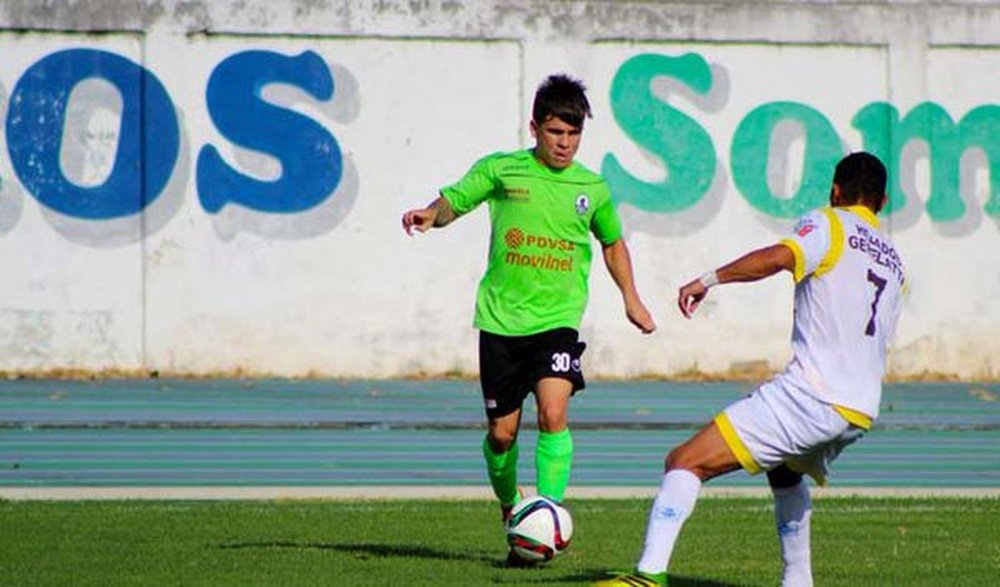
[[805, 226]]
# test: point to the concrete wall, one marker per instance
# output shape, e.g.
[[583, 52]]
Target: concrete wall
[[211, 187]]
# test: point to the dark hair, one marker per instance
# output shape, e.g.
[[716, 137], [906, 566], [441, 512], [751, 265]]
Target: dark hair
[[861, 177], [562, 97]]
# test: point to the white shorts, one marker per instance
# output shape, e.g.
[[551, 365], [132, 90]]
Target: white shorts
[[777, 425]]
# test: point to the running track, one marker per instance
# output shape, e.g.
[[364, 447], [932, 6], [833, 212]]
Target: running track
[[197, 435]]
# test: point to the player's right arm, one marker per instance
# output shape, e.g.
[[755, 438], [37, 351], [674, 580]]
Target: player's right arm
[[753, 266], [455, 200], [806, 251], [437, 214]]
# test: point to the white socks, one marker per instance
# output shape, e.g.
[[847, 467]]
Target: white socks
[[673, 504], [792, 510], [676, 500]]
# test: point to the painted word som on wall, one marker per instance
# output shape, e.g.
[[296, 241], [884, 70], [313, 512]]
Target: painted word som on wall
[[686, 149]]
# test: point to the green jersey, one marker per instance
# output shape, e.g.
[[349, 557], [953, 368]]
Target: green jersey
[[539, 259]]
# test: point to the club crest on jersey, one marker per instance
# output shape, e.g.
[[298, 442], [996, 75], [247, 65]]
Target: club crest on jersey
[[582, 204], [805, 227]]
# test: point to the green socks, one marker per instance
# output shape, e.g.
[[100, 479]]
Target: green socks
[[553, 460], [502, 469]]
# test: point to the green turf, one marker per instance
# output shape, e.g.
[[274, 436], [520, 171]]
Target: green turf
[[728, 541]]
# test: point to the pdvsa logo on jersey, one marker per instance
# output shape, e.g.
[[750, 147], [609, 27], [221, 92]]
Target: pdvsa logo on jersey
[[582, 204], [517, 194], [539, 251], [514, 238]]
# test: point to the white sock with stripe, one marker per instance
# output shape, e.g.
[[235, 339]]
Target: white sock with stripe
[[673, 504], [792, 510]]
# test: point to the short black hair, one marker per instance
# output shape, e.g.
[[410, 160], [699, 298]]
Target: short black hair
[[862, 178], [562, 97]]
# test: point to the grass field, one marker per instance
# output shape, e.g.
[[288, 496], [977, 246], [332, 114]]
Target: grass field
[[727, 541]]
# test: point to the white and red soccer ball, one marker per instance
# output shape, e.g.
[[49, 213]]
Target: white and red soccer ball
[[539, 529]]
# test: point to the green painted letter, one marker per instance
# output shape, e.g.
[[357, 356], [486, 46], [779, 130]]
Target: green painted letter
[[750, 154], [886, 136], [681, 143]]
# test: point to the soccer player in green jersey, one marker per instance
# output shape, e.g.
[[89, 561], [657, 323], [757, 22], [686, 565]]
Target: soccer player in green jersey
[[543, 208]]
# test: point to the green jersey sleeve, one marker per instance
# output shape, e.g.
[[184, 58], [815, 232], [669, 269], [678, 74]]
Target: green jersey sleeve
[[478, 184], [605, 224]]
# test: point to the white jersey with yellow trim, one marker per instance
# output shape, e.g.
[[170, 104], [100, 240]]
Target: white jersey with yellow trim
[[848, 295]]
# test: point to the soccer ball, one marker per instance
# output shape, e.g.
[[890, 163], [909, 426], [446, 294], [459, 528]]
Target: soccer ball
[[539, 529]]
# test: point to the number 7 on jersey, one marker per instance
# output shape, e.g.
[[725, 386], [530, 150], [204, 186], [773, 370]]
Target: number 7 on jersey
[[879, 283]]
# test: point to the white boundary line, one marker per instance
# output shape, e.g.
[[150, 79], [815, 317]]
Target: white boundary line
[[441, 492]]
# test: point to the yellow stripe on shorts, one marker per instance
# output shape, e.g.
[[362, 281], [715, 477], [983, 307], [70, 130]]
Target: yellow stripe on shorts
[[819, 478], [736, 445], [863, 421]]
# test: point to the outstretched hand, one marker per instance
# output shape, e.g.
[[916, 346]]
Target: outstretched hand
[[690, 296], [420, 219]]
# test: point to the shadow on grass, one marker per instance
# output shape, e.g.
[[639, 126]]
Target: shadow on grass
[[588, 577], [672, 580], [365, 550], [521, 576], [362, 551], [682, 581]]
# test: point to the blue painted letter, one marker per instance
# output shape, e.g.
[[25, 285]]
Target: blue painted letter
[[147, 141], [309, 155]]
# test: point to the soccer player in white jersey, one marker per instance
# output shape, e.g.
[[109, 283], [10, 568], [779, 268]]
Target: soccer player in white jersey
[[848, 284]]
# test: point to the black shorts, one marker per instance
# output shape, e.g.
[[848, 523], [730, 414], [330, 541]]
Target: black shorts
[[510, 366]]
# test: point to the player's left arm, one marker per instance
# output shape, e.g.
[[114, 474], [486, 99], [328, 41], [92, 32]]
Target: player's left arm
[[753, 266], [619, 264]]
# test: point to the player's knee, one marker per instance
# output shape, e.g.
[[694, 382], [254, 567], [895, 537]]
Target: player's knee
[[501, 440], [687, 460], [782, 477], [676, 459], [551, 419]]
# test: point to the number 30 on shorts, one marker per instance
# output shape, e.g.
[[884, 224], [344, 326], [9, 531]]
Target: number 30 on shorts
[[561, 362]]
